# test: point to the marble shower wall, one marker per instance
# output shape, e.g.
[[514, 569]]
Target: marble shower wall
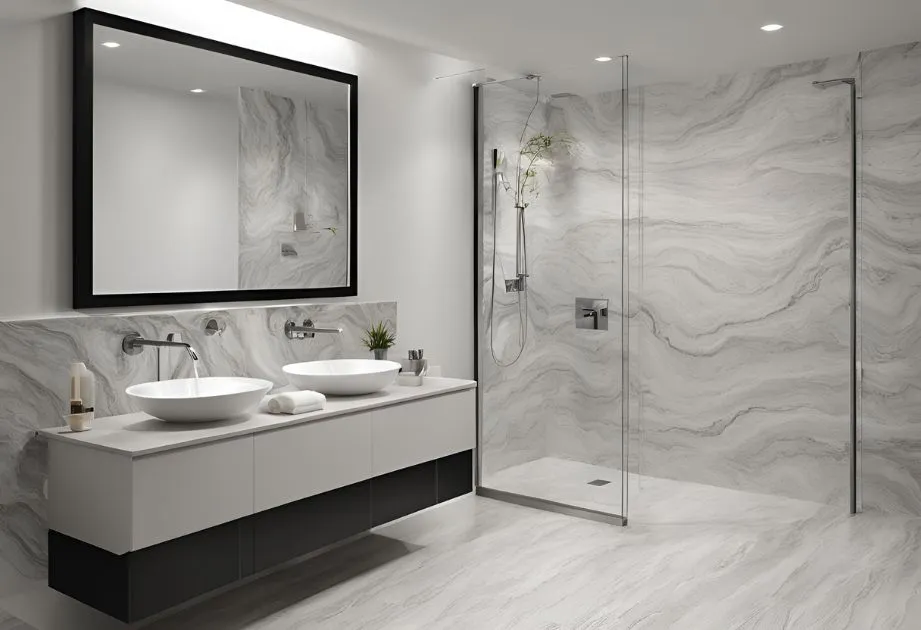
[[740, 302], [743, 350], [34, 363], [890, 280], [742, 358], [515, 414], [562, 398], [580, 255], [293, 160]]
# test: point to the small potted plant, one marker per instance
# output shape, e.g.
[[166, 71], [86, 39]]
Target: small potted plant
[[378, 339]]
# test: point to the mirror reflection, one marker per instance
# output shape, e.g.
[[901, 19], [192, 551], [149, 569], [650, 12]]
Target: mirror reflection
[[215, 173]]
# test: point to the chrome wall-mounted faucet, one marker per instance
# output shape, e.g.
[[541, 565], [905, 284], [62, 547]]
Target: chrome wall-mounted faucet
[[307, 330], [133, 344]]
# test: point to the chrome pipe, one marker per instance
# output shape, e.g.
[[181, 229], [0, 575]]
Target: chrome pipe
[[855, 447]]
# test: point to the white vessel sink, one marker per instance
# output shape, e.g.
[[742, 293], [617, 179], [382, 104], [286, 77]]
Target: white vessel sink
[[200, 399], [342, 377]]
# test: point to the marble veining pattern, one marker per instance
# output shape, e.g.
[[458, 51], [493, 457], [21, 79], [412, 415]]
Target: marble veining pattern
[[776, 564], [562, 397], [740, 303], [744, 344], [34, 363], [891, 278], [514, 417], [293, 160]]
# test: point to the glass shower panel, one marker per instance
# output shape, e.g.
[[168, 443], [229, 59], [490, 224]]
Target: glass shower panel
[[552, 290]]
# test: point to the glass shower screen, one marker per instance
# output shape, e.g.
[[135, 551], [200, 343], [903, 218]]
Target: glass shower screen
[[552, 287]]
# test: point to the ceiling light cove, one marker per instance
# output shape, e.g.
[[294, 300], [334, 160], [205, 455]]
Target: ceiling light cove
[[197, 91], [770, 28], [111, 44], [603, 59]]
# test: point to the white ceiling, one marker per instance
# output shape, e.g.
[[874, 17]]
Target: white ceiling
[[161, 65], [26, 10], [666, 39]]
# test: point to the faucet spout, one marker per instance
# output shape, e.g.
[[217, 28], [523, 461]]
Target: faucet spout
[[308, 330], [133, 343]]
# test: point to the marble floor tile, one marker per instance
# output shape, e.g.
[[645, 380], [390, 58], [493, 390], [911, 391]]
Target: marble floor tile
[[42, 608], [698, 558], [477, 563], [9, 622], [649, 499]]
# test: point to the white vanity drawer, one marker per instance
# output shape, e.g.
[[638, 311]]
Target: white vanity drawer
[[409, 434], [310, 459], [191, 489]]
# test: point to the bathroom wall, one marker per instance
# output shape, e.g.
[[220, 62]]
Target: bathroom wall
[[740, 296], [740, 317], [188, 140], [744, 343], [740, 314], [583, 258], [562, 398], [34, 361], [293, 158], [890, 280], [520, 400]]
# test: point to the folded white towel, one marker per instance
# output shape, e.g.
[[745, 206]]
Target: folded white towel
[[294, 402]]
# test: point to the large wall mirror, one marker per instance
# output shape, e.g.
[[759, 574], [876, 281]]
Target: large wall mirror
[[205, 172]]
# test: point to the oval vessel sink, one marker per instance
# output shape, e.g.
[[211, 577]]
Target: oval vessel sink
[[342, 377], [201, 399]]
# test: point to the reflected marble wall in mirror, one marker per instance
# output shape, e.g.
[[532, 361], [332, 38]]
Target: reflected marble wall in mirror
[[217, 173]]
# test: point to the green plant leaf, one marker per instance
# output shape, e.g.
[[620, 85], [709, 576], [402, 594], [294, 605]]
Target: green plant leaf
[[379, 337]]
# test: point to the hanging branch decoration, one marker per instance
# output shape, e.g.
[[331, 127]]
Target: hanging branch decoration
[[535, 154]]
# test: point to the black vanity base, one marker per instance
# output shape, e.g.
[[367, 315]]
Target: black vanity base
[[141, 583]]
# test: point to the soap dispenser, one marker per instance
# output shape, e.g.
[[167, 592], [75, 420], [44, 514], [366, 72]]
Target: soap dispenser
[[88, 391], [82, 397]]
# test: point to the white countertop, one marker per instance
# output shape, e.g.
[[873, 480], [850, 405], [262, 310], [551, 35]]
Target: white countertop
[[137, 434]]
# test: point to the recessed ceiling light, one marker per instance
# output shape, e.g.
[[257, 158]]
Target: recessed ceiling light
[[111, 44], [770, 28], [197, 91], [603, 59]]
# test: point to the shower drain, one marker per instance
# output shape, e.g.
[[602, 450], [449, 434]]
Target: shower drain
[[599, 482]]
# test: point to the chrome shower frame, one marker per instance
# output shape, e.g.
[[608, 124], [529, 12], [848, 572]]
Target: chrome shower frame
[[855, 445]]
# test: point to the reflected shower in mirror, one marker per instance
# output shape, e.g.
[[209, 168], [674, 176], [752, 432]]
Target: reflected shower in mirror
[[217, 173]]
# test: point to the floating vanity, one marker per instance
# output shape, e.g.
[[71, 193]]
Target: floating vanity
[[145, 515]]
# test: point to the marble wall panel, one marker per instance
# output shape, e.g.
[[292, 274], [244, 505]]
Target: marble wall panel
[[293, 161], [741, 305], [744, 343], [515, 413], [890, 280], [562, 398]]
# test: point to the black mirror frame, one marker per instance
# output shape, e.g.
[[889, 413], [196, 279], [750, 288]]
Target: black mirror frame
[[83, 294]]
